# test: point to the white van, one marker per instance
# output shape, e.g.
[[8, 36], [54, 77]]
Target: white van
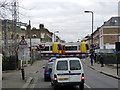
[[67, 71]]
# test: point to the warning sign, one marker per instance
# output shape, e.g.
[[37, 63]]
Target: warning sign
[[23, 43]]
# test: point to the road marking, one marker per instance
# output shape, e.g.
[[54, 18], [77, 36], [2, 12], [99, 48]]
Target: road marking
[[87, 85], [34, 83]]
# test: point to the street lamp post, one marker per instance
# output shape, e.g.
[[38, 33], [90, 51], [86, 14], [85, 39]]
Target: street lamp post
[[92, 26], [54, 35]]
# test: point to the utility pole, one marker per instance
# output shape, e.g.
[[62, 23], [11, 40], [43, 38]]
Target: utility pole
[[29, 33], [15, 17]]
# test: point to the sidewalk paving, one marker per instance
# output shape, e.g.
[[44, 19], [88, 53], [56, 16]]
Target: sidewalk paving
[[107, 70], [13, 79]]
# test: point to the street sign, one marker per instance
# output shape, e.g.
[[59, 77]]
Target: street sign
[[116, 52], [23, 43]]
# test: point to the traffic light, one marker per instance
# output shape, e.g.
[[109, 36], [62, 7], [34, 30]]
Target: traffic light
[[94, 45], [91, 45], [42, 46]]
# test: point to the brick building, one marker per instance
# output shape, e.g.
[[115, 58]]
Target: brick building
[[105, 36], [0, 36], [42, 33], [109, 33], [96, 39]]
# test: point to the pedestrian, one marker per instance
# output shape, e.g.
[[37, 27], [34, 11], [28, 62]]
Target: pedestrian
[[102, 61], [95, 57], [91, 59]]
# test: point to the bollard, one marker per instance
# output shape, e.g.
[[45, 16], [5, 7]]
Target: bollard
[[23, 74]]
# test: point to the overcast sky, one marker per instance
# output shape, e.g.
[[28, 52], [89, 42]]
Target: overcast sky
[[67, 16]]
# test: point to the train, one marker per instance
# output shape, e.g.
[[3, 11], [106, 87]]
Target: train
[[63, 49]]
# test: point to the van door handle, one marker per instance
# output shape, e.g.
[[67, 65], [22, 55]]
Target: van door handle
[[69, 72]]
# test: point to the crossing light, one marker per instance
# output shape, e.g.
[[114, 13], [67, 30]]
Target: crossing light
[[42, 46], [94, 45]]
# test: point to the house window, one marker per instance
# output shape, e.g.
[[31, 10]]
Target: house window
[[34, 35], [42, 35]]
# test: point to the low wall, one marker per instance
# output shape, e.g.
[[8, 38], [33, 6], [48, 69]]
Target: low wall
[[109, 58], [0, 71]]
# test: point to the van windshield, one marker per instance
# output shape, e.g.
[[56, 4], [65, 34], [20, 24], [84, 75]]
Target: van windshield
[[75, 65], [62, 65]]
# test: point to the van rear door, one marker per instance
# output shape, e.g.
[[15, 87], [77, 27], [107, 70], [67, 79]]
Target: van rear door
[[62, 71], [75, 71]]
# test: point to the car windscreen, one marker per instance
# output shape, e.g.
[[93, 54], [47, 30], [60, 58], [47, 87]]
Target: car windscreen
[[62, 65], [49, 65], [75, 65]]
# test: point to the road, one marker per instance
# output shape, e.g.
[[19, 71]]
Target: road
[[93, 79]]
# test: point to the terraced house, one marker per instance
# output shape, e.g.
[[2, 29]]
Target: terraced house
[[109, 33], [105, 36]]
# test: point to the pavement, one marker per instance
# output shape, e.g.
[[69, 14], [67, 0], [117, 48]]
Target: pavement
[[107, 69], [13, 79]]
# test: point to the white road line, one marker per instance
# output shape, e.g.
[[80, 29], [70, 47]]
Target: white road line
[[87, 85], [34, 83]]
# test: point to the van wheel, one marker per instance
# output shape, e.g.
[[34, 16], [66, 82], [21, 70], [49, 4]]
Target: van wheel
[[45, 79], [81, 86], [55, 88], [52, 84]]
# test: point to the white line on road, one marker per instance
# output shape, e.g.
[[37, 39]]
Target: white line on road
[[87, 85], [34, 83]]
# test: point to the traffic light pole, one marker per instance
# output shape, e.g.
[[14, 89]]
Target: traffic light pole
[[117, 46], [22, 70], [117, 64]]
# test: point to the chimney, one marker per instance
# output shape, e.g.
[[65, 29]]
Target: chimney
[[41, 26]]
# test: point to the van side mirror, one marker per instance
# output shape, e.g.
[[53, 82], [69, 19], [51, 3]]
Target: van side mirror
[[43, 67]]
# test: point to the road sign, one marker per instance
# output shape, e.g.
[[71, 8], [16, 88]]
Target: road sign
[[116, 52], [23, 43]]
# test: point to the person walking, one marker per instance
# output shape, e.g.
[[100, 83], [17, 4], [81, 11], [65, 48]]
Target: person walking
[[91, 58], [102, 60], [95, 57]]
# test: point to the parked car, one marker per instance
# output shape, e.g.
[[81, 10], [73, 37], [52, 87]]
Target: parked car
[[47, 71], [67, 71], [52, 59]]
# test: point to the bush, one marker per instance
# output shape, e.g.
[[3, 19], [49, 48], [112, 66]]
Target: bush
[[9, 63]]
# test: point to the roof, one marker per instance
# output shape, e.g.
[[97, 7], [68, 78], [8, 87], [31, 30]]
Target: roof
[[73, 58], [113, 21]]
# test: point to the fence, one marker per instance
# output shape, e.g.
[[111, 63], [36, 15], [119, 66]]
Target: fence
[[109, 56]]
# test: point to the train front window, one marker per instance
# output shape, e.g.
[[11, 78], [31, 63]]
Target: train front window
[[51, 48], [45, 49], [87, 47], [59, 47], [71, 48], [79, 48]]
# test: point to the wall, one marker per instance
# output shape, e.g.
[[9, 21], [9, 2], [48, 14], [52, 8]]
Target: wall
[[108, 37], [0, 71]]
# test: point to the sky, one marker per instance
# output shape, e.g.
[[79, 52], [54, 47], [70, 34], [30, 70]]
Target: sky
[[67, 16]]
